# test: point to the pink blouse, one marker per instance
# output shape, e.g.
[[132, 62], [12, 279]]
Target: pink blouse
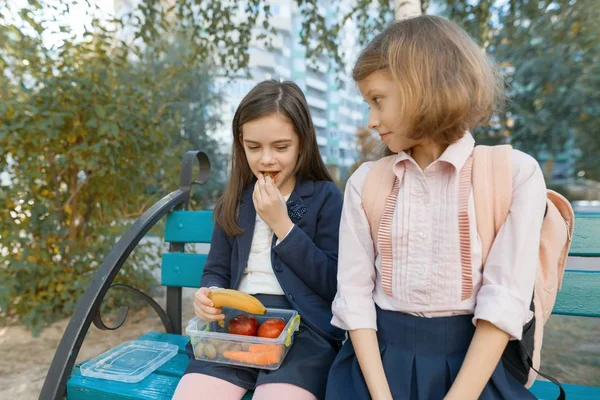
[[426, 263]]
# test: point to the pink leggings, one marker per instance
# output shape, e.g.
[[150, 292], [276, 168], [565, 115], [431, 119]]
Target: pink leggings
[[205, 387]]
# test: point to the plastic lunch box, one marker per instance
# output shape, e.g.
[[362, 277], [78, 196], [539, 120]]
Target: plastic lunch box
[[129, 362], [211, 342]]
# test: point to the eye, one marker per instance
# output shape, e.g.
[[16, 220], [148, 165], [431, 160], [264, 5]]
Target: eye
[[377, 100], [253, 147], [281, 148]]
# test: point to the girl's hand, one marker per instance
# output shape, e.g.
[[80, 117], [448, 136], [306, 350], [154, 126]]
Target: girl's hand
[[203, 306], [270, 206]]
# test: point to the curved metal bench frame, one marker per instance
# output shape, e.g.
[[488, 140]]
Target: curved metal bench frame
[[88, 307]]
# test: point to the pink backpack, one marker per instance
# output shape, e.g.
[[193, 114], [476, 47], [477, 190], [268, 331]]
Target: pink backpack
[[489, 170]]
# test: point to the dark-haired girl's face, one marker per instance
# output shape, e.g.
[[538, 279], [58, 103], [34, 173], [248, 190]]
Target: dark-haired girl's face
[[272, 147]]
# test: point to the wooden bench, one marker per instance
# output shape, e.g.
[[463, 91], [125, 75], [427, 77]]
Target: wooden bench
[[580, 296]]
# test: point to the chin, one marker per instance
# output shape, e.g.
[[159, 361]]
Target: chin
[[399, 147]]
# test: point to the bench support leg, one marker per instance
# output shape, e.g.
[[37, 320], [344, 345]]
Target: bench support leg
[[174, 308]]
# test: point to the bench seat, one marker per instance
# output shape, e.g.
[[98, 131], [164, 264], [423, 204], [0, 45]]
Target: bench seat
[[162, 383], [580, 296], [548, 391]]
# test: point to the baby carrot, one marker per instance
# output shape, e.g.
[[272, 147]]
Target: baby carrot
[[262, 358], [259, 348]]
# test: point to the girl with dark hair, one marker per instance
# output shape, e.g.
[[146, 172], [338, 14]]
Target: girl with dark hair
[[275, 237]]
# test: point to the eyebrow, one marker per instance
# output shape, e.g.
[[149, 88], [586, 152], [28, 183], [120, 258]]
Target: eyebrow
[[281, 141], [373, 91]]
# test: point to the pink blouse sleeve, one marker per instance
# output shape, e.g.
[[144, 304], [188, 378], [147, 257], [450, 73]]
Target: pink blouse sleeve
[[353, 306]]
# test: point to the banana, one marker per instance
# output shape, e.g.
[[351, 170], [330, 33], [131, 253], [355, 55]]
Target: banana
[[238, 300]]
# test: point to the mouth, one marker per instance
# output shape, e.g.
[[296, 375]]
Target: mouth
[[272, 174], [383, 135]]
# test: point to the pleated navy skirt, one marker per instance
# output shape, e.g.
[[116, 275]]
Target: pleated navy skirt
[[421, 358]]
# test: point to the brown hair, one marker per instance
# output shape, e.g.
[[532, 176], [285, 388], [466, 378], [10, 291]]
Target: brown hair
[[447, 83], [268, 98]]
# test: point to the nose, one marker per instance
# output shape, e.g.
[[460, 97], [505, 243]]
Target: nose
[[266, 157], [373, 120]]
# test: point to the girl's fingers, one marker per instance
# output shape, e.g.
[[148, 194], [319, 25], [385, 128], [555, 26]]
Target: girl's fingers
[[207, 308], [207, 313], [202, 296], [261, 187], [256, 195], [270, 189]]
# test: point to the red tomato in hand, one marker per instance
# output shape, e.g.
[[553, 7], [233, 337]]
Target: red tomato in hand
[[271, 328], [243, 324]]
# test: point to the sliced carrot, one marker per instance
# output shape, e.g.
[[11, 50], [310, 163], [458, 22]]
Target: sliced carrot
[[262, 358]]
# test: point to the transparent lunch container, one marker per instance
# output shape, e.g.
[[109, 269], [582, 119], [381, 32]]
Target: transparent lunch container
[[212, 342], [129, 362]]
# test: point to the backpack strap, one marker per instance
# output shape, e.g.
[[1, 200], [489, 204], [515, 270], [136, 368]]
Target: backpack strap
[[492, 191], [464, 228], [376, 189]]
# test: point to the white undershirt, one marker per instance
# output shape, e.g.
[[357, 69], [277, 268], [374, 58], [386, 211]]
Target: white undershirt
[[259, 277]]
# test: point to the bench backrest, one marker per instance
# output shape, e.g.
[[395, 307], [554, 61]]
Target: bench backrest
[[580, 294]]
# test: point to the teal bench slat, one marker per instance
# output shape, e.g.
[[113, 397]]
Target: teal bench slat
[[197, 227], [548, 391], [182, 269], [189, 227], [153, 387], [580, 294], [585, 237]]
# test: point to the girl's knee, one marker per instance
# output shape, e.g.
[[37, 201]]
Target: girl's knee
[[277, 391], [200, 386]]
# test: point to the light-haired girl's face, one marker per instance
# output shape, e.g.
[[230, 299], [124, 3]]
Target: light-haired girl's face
[[272, 147], [380, 91]]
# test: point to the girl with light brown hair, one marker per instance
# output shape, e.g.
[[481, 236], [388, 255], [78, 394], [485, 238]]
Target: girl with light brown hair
[[426, 320]]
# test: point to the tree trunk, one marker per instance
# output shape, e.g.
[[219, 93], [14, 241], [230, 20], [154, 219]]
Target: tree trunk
[[407, 9]]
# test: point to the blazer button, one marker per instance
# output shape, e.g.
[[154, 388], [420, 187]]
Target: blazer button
[[278, 267]]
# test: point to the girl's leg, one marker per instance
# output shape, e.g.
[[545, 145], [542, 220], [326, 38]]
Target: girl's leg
[[278, 391], [199, 386]]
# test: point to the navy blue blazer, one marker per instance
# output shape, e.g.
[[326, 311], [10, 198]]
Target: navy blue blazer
[[305, 262]]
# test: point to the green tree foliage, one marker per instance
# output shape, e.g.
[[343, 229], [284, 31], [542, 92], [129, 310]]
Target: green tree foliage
[[92, 132], [550, 52]]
